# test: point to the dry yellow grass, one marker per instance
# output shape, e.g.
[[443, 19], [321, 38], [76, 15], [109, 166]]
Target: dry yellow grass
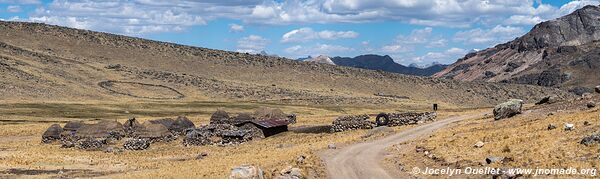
[[523, 138], [20, 146]]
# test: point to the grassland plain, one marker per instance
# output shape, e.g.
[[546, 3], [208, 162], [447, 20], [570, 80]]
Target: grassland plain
[[22, 153]]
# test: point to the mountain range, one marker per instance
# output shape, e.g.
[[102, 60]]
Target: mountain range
[[378, 62], [40, 62], [562, 53]]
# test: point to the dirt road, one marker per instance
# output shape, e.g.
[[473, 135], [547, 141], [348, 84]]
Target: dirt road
[[362, 160]]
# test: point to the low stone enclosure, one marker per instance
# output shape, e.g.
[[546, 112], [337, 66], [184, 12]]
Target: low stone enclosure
[[344, 123], [222, 130]]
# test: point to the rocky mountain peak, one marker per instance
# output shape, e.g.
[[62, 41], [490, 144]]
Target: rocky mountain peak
[[580, 27]]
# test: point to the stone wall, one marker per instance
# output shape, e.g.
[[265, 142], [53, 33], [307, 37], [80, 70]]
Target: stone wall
[[410, 118], [344, 123]]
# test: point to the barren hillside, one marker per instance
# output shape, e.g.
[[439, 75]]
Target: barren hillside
[[43, 62], [560, 53]]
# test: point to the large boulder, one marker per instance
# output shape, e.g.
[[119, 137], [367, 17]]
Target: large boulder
[[246, 172], [220, 117], [103, 129], [508, 109], [52, 133], [597, 89]]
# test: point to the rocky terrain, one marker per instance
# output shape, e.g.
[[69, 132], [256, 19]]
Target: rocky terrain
[[44, 62], [561, 53]]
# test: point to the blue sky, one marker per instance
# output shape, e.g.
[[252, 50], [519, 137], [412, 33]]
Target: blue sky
[[411, 31]]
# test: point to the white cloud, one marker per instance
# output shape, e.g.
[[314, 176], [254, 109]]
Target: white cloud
[[307, 34], [159, 16], [13, 9], [448, 56], [20, 1], [437, 43], [318, 49], [252, 44], [572, 6], [395, 48], [417, 38], [523, 20], [492, 36], [236, 28]]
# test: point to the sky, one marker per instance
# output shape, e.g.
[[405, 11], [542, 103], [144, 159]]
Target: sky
[[410, 31]]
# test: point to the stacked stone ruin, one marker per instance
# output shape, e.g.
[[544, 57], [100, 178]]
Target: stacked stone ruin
[[222, 130], [344, 123], [98, 135]]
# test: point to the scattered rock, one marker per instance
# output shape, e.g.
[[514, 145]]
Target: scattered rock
[[331, 146], [201, 156], [586, 96], [490, 160], [548, 100], [592, 139], [300, 159], [113, 66], [136, 144], [290, 173], [508, 109], [246, 172], [551, 127], [479, 144], [52, 133], [569, 127], [586, 123], [591, 104], [113, 150]]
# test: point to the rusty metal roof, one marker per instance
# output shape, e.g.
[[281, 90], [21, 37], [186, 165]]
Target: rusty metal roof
[[269, 123]]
